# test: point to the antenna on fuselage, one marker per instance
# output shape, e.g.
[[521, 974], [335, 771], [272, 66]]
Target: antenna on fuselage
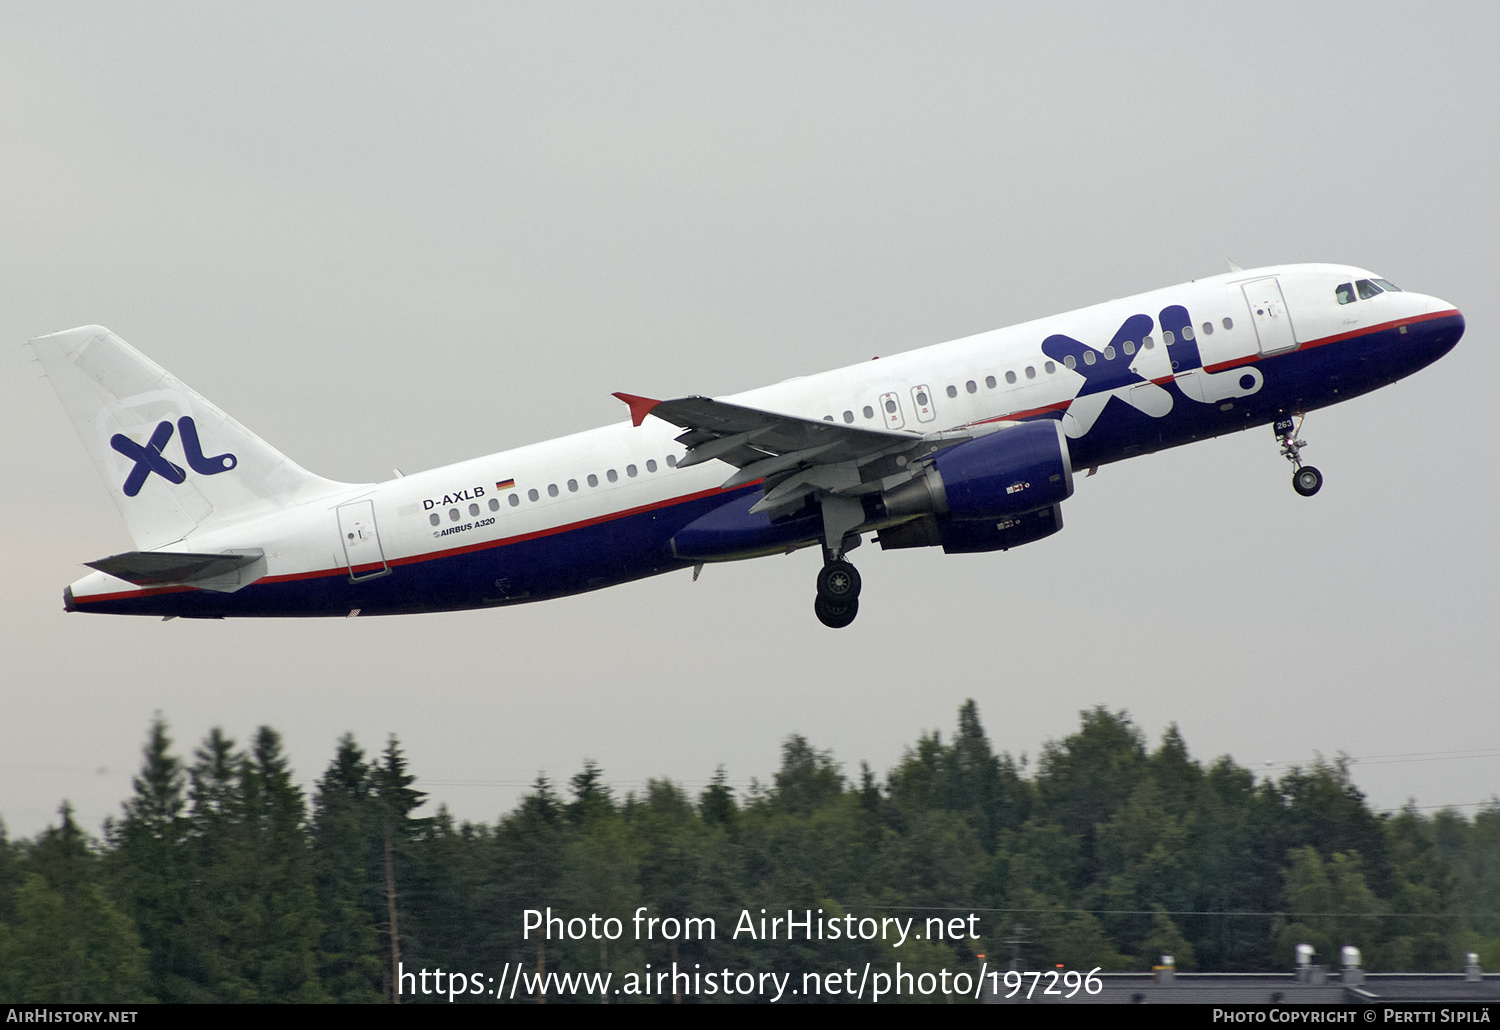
[[1232, 266]]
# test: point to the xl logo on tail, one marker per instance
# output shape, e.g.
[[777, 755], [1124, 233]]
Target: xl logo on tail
[[149, 459]]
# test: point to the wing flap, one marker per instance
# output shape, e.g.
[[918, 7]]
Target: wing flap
[[744, 436]]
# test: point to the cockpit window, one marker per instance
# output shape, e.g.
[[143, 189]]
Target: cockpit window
[[1366, 289], [1387, 285], [1345, 293]]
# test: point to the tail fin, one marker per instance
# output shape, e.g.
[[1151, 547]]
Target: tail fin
[[172, 461]]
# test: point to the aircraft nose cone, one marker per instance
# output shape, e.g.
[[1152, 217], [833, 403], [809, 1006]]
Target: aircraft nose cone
[[1441, 334]]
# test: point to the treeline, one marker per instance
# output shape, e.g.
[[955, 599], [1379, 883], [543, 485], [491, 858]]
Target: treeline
[[217, 883]]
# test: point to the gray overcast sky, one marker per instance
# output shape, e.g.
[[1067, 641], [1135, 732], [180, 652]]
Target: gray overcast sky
[[402, 235]]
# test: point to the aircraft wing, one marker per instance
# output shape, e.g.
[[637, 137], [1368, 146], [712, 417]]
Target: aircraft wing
[[795, 456]]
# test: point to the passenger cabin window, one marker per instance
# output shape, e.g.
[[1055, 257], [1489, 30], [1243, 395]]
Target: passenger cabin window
[[433, 518], [593, 479], [1069, 361], [1052, 366], [551, 489], [1366, 289], [1010, 377], [495, 503], [515, 499], [869, 411], [473, 511], [532, 495], [989, 381], [971, 386], [650, 464], [671, 461], [630, 471], [1345, 293], [612, 476], [849, 417], [952, 391]]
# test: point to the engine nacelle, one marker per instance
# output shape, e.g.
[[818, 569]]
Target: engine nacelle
[[974, 535], [1011, 472]]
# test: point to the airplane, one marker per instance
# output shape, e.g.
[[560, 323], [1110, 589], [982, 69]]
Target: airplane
[[971, 446]]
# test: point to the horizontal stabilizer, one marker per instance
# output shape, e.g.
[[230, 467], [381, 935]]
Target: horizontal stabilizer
[[155, 568]]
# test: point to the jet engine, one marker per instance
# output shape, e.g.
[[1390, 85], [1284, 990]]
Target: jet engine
[[993, 493]]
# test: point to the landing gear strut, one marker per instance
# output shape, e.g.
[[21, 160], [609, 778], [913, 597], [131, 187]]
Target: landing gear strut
[[838, 593], [838, 582], [1306, 480]]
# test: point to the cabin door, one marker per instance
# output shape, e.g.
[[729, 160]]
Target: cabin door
[[362, 550], [1268, 312]]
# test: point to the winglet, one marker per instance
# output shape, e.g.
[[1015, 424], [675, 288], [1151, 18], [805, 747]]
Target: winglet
[[640, 407]]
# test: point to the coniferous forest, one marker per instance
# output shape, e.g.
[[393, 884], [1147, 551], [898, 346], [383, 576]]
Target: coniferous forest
[[220, 881]]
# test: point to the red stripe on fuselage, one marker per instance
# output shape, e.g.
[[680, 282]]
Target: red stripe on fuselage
[[1338, 338], [433, 555]]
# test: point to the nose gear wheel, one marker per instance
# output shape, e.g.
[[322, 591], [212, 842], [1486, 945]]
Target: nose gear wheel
[[1307, 481]]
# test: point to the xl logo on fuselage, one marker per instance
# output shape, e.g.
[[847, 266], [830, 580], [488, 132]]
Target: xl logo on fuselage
[[149, 458]]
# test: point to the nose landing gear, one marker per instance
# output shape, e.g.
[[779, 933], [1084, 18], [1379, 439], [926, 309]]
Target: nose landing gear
[[1306, 480]]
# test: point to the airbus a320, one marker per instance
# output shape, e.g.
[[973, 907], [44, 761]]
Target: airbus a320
[[971, 446]]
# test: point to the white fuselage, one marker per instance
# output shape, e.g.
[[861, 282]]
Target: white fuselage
[[547, 491]]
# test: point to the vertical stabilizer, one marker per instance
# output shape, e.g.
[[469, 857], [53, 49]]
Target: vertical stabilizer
[[172, 461]]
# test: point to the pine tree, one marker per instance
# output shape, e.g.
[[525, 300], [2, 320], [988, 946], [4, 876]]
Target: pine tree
[[716, 804], [395, 800], [216, 892], [69, 943], [343, 832], [149, 862], [10, 876], [286, 929], [527, 867]]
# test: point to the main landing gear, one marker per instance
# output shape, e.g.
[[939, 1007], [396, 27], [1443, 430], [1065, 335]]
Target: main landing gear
[[1306, 480], [838, 594]]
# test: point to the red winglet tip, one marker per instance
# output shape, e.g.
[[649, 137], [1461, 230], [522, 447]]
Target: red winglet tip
[[640, 407]]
